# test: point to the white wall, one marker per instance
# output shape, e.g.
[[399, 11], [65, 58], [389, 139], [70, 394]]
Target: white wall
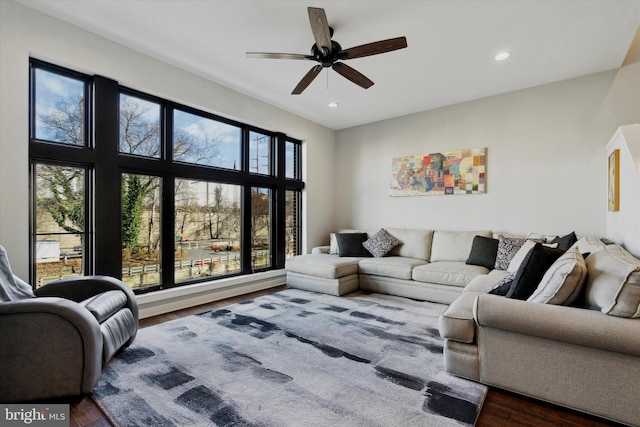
[[623, 226], [546, 166], [25, 32]]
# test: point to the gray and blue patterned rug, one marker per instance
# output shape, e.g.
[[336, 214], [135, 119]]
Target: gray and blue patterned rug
[[292, 358]]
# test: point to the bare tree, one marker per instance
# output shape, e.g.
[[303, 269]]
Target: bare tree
[[66, 123], [137, 134]]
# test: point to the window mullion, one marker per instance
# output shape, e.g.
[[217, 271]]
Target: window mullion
[[168, 201], [279, 204], [108, 231]]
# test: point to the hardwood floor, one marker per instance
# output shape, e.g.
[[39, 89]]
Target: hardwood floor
[[500, 409]]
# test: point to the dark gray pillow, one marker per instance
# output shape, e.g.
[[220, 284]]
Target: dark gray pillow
[[483, 252], [531, 271], [565, 242], [350, 244]]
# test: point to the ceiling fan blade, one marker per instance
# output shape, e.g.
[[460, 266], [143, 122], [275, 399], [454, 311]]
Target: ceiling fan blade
[[353, 75], [268, 55], [320, 28], [307, 79], [374, 48]]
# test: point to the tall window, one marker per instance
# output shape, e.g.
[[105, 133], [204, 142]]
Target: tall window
[[180, 194], [260, 228], [293, 198], [293, 223], [60, 222], [60, 236], [207, 229], [141, 225]]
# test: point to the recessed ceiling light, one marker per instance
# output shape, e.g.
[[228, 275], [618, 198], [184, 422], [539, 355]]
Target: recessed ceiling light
[[333, 104], [501, 56]]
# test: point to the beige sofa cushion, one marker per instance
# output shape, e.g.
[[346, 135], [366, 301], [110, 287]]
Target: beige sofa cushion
[[390, 266], [485, 282], [588, 244], [613, 282], [415, 243], [562, 282], [323, 265], [454, 245], [447, 273]]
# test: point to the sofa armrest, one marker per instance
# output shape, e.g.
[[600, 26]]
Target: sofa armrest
[[320, 250], [51, 347], [577, 326]]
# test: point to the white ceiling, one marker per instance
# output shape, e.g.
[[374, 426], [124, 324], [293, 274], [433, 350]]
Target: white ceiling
[[449, 58]]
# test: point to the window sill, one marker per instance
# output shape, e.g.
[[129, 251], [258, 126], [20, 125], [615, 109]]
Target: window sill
[[167, 300]]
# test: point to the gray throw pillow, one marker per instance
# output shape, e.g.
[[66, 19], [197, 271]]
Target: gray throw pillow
[[381, 243]]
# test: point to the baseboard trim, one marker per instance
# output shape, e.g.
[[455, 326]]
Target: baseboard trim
[[168, 300]]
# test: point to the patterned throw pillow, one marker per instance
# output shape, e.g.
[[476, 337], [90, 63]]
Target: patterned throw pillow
[[503, 285], [381, 243], [508, 247]]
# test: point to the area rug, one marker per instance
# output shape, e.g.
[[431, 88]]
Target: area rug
[[292, 358]]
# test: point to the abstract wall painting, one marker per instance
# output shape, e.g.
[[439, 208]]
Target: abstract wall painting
[[614, 181], [436, 174]]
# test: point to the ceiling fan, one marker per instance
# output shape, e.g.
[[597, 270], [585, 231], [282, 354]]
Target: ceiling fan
[[328, 53]]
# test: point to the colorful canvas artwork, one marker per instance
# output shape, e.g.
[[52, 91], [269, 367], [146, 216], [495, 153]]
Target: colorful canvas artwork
[[435, 174]]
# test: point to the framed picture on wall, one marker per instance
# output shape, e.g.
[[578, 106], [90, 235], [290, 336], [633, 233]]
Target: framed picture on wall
[[614, 181], [442, 173]]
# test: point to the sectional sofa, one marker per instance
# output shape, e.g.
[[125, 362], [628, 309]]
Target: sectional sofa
[[574, 341], [428, 265]]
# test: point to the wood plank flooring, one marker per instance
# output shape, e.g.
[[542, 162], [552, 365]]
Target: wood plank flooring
[[500, 409]]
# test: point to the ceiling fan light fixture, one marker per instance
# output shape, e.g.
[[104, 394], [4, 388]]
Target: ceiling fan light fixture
[[333, 104], [501, 56]]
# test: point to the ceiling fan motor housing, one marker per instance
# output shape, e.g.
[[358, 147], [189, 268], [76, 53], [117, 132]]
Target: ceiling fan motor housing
[[326, 58]]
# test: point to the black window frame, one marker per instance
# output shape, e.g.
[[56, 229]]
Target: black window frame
[[104, 161]]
